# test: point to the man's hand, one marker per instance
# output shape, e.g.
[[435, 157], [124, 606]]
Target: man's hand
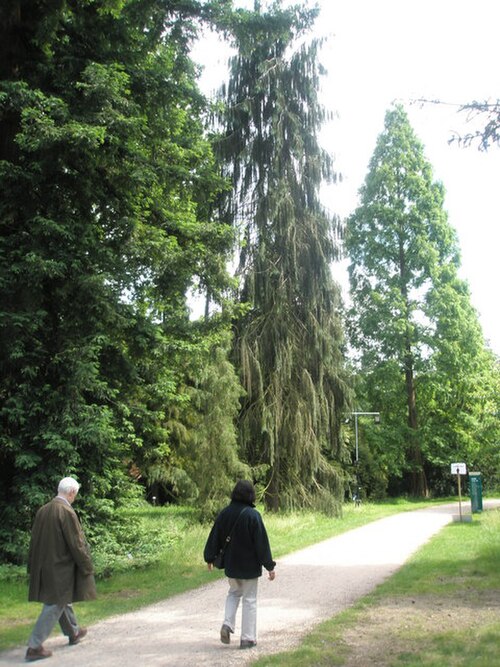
[[271, 575], [210, 566]]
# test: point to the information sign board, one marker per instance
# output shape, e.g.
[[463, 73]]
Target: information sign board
[[458, 469]]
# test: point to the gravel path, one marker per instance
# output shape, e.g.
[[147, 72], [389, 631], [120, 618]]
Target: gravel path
[[311, 585]]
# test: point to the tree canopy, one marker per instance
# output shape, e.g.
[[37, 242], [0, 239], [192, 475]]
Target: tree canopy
[[420, 344], [123, 190], [289, 344], [107, 188]]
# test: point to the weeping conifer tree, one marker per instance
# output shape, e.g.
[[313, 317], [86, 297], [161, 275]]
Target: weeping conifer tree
[[289, 344]]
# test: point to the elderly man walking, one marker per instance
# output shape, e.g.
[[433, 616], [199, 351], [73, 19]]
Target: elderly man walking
[[60, 569]]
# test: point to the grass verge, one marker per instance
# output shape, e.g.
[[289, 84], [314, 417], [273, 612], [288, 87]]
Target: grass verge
[[441, 608], [180, 567]]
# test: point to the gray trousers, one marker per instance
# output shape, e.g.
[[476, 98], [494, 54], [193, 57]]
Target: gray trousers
[[246, 591], [50, 614]]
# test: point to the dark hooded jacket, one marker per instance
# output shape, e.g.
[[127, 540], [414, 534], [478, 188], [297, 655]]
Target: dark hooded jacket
[[248, 550]]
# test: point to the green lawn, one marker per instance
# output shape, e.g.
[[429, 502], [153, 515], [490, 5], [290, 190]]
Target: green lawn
[[180, 566], [441, 609]]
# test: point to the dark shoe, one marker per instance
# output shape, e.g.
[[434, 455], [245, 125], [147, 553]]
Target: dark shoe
[[247, 643], [78, 637], [38, 653], [225, 634]]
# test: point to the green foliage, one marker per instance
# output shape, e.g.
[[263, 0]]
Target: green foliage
[[421, 348], [288, 345], [133, 539], [213, 442], [9, 572], [107, 219]]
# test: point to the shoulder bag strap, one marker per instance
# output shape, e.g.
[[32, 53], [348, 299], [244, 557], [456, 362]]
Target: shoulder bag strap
[[228, 538]]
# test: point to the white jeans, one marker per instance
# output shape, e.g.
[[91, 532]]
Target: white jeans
[[245, 590]]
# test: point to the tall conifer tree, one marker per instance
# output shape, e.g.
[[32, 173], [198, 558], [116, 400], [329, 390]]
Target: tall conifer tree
[[289, 344], [420, 344]]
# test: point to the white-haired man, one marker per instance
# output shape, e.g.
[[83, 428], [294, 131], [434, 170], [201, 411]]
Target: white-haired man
[[60, 569]]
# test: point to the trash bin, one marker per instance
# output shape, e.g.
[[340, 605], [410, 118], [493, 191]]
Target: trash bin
[[476, 492]]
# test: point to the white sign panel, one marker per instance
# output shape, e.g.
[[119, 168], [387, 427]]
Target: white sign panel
[[458, 469]]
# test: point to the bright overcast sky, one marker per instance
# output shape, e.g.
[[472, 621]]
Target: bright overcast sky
[[384, 50], [379, 51]]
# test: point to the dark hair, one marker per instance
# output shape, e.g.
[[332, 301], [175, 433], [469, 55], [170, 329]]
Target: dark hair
[[244, 492]]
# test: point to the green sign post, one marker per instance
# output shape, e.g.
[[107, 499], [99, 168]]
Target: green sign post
[[476, 492]]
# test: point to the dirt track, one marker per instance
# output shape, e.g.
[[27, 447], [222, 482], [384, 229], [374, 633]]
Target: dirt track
[[311, 585]]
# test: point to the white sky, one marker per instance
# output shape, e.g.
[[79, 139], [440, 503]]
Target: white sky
[[384, 50], [379, 51]]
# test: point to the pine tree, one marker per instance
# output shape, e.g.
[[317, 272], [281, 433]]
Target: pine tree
[[289, 344]]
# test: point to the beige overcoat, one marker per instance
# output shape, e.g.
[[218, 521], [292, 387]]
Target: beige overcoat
[[59, 562]]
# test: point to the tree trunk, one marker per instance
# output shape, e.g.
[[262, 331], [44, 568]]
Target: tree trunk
[[418, 480]]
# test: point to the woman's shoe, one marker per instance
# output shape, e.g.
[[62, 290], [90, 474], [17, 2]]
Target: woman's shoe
[[225, 634]]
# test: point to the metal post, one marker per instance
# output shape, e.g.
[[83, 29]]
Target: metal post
[[459, 496], [358, 499], [356, 434]]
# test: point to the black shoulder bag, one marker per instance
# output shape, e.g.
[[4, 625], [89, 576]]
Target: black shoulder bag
[[219, 559]]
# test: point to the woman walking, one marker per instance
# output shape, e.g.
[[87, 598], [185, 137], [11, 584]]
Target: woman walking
[[240, 533]]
